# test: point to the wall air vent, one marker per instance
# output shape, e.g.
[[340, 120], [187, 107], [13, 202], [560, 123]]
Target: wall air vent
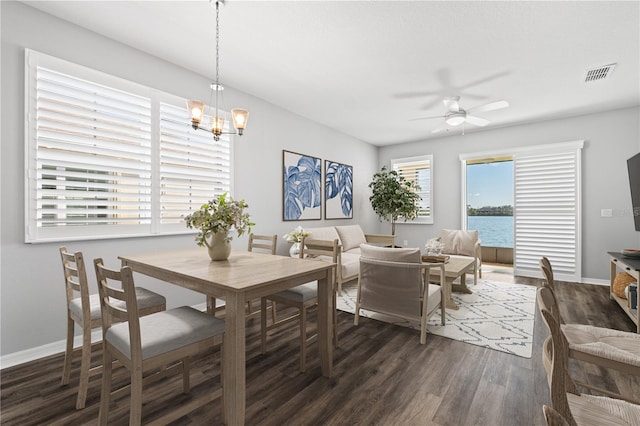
[[599, 73]]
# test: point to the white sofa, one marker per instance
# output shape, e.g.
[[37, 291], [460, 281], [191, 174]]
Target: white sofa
[[349, 237]]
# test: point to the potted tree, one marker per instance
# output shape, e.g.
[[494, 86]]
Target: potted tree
[[394, 197]]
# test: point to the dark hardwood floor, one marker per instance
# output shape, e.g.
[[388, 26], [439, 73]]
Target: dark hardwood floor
[[382, 376]]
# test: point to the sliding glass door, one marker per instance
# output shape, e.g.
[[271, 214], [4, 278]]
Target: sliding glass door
[[546, 207]]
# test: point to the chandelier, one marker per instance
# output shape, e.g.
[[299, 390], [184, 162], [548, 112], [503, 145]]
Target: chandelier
[[197, 108]]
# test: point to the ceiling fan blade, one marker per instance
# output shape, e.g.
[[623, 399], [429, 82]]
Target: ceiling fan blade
[[490, 106], [476, 120], [452, 103], [426, 118], [439, 129]]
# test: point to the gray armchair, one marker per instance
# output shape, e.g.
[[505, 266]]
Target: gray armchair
[[391, 282]]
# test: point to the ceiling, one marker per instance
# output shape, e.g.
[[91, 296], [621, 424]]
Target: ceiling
[[366, 68]]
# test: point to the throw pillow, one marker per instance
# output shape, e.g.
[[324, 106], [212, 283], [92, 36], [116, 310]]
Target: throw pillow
[[351, 236], [621, 282]]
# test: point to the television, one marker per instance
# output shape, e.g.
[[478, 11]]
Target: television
[[633, 164]]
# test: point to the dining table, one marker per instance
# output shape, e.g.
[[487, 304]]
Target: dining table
[[244, 276]]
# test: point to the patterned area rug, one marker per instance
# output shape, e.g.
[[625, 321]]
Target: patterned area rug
[[497, 316]]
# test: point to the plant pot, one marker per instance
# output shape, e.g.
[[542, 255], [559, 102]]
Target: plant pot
[[219, 248]]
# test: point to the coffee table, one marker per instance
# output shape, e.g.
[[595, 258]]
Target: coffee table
[[456, 267]]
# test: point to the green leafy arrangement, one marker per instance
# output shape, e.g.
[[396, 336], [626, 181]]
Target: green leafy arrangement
[[220, 215]]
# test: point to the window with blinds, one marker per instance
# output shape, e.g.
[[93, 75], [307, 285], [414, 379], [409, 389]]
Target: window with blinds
[[106, 158], [192, 165], [419, 170]]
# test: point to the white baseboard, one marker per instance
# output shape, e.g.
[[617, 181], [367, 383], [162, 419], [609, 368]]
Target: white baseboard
[[53, 348], [596, 281]]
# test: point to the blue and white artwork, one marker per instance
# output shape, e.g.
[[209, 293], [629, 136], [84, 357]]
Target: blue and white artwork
[[338, 189], [302, 189]]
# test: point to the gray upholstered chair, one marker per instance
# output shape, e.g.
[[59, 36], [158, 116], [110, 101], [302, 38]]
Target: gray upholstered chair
[[574, 407], [149, 343], [302, 298], [391, 282], [83, 309], [600, 346]]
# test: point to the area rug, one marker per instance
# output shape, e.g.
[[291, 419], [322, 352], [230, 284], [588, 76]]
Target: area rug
[[497, 316]]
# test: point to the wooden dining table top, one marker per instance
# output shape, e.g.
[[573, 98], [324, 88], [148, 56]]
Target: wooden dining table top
[[244, 271]]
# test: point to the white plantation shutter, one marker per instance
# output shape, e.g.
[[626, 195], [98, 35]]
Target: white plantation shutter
[[547, 210], [106, 159], [193, 167], [418, 170]]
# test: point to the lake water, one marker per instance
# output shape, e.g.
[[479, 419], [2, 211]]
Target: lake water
[[494, 231]]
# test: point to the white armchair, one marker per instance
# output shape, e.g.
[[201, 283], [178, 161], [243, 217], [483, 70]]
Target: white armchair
[[458, 242]]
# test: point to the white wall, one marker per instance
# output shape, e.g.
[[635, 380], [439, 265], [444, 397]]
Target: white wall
[[610, 138], [31, 286]]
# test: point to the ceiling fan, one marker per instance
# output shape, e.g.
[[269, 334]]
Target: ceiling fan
[[456, 115]]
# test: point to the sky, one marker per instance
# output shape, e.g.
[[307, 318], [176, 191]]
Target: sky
[[490, 184]]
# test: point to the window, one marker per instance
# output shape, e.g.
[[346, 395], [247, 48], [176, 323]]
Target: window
[[419, 170], [108, 158]]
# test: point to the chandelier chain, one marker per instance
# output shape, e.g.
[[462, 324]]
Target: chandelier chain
[[217, 88]]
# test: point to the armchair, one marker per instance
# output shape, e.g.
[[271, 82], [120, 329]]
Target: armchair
[[458, 242], [391, 282]]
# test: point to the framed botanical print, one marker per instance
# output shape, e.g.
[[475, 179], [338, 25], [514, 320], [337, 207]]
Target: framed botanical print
[[302, 187], [338, 190]]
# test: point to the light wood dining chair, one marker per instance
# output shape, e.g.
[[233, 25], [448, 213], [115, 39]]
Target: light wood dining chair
[[147, 343], [267, 244], [261, 243], [392, 282], [83, 309], [552, 417], [604, 347], [302, 298], [574, 407]]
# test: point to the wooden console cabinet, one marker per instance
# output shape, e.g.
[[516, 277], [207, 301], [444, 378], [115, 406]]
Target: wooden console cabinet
[[632, 267]]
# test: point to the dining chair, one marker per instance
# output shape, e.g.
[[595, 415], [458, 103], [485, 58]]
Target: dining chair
[[574, 407], [392, 282], [604, 347], [268, 244], [152, 342], [303, 297], [263, 243], [552, 417], [83, 309]]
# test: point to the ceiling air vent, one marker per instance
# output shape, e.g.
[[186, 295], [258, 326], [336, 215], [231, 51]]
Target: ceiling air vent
[[599, 73]]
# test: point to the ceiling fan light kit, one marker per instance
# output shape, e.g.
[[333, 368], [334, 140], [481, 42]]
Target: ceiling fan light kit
[[456, 116]]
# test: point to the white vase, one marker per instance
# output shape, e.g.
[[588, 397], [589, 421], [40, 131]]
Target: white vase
[[219, 248], [294, 250]]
